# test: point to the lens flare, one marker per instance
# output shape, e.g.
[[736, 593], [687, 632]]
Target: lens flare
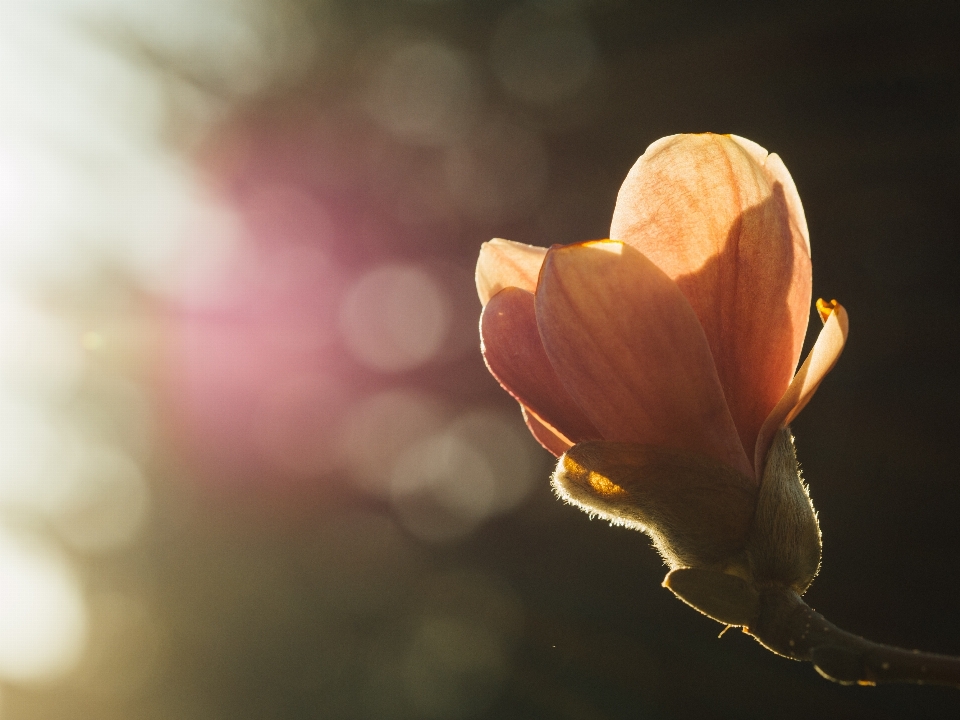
[[395, 318]]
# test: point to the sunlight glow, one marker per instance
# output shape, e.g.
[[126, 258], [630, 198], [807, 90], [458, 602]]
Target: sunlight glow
[[43, 624]]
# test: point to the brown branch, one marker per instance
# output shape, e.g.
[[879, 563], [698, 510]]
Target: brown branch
[[788, 626]]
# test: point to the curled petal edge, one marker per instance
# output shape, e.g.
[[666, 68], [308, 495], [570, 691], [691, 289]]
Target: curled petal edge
[[549, 437], [824, 355]]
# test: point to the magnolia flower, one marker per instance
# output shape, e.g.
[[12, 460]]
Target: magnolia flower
[[659, 368], [659, 365]]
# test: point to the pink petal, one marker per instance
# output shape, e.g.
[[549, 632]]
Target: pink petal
[[549, 438], [723, 219], [629, 349], [824, 355], [504, 263], [514, 354]]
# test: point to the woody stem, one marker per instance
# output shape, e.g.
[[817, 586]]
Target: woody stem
[[788, 626]]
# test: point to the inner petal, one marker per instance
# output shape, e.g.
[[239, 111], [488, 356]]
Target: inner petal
[[723, 219]]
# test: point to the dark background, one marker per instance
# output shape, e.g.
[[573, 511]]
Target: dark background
[[277, 603]]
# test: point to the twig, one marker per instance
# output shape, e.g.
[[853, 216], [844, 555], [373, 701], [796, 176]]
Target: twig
[[788, 626]]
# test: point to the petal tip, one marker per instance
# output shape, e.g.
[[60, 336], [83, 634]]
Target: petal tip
[[755, 150], [826, 308], [505, 263]]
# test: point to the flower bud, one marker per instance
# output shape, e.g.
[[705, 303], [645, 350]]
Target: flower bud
[[722, 536], [697, 511], [661, 366], [784, 544]]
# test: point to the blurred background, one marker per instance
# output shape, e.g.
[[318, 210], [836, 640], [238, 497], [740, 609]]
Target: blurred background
[[251, 464]]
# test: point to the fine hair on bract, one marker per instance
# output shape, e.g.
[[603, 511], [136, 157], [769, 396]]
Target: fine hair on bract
[[698, 512]]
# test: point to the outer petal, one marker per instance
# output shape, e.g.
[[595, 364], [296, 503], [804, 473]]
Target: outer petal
[[630, 350], [514, 354], [723, 219], [824, 355], [504, 263]]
